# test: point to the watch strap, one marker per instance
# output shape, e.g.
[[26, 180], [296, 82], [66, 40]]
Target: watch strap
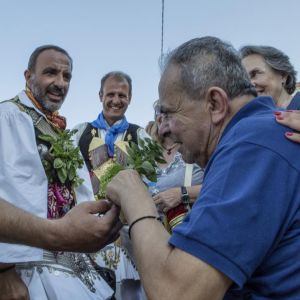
[[185, 198]]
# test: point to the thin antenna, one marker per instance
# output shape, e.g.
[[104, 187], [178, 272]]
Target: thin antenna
[[162, 31]]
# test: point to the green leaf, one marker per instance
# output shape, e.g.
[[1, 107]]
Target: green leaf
[[130, 161], [147, 166], [63, 159], [148, 140], [71, 173], [62, 175], [69, 164], [47, 165], [135, 147], [130, 152], [46, 138], [76, 165], [141, 143], [107, 177], [58, 163]]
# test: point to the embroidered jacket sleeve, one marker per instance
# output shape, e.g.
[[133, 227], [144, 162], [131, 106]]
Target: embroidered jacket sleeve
[[85, 191], [22, 178]]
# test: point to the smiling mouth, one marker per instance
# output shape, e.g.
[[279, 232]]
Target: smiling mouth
[[55, 97], [115, 107], [260, 91]]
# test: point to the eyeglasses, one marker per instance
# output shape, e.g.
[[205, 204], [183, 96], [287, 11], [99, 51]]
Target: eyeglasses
[[157, 112]]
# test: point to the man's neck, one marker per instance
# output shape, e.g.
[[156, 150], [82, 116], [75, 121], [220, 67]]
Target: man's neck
[[234, 106], [111, 122]]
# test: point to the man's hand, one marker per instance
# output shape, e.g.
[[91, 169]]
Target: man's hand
[[125, 185], [83, 230], [128, 191], [168, 199], [12, 287], [292, 120]]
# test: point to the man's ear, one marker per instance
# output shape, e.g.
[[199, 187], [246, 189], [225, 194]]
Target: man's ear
[[217, 101], [100, 96], [27, 75], [284, 79]]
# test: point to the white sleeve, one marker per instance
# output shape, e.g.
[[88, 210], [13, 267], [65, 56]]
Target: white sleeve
[[80, 129], [23, 181], [85, 191]]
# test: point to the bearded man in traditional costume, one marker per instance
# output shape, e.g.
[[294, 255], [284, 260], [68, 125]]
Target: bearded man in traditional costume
[[102, 143], [23, 119]]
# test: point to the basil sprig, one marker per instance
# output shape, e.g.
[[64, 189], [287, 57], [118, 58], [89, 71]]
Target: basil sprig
[[63, 159], [142, 157]]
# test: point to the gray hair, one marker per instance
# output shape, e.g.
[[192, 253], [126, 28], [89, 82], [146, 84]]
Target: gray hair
[[118, 75], [206, 62], [277, 60], [35, 54]]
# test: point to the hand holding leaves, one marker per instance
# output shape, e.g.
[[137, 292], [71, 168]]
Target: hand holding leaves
[[142, 157]]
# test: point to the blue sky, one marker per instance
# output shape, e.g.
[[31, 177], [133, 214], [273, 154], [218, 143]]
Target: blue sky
[[103, 35]]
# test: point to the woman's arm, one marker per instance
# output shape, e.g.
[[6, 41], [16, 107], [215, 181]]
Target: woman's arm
[[172, 197]]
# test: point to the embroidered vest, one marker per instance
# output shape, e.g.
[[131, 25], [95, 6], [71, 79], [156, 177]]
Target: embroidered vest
[[61, 198], [94, 151]]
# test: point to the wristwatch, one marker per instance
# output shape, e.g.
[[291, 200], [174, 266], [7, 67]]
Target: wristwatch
[[185, 198]]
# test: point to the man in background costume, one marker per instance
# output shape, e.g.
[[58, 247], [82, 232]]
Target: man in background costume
[[23, 181], [103, 142]]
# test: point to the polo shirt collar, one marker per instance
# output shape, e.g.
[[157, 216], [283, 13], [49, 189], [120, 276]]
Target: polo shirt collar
[[257, 106]]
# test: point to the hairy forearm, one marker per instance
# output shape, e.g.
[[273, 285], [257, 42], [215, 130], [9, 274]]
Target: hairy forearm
[[151, 251], [167, 272], [80, 230], [20, 227]]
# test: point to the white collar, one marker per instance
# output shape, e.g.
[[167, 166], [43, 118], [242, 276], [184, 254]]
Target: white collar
[[26, 101]]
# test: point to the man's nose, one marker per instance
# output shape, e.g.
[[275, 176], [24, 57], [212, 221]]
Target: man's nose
[[115, 98], [163, 128], [60, 81], [253, 81]]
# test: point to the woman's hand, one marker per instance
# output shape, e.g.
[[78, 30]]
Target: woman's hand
[[168, 199], [292, 120]]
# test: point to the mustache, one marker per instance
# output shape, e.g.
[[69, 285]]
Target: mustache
[[56, 90]]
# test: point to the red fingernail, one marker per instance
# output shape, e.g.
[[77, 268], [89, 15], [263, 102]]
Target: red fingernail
[[277, 113], [289, 133], [279, 117]]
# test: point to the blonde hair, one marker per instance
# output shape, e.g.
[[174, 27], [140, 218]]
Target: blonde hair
[[152, 126], [152, 130]]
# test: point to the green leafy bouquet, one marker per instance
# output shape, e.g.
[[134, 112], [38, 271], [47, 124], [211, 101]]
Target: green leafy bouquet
[[62, 159], [142, 157]]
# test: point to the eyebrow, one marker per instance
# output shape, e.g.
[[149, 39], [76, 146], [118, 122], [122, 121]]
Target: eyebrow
[[47, 69], [256, 69]]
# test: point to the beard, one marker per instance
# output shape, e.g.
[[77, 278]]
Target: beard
[[42, 98]]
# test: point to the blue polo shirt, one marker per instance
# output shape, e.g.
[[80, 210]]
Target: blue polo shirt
[[246, 221]]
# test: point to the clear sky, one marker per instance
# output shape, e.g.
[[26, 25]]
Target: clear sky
[[103, 35]]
